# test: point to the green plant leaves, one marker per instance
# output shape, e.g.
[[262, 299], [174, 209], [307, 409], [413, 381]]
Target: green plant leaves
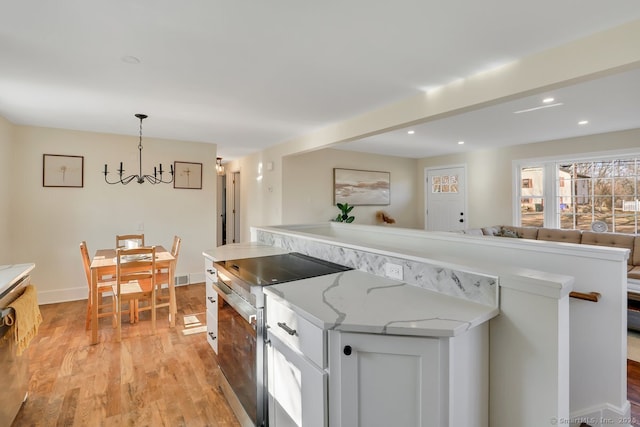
[[345, 209]]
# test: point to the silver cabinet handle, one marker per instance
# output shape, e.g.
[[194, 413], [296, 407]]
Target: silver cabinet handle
[[213, 337], [211, 299], [210, 270], [287, 328]]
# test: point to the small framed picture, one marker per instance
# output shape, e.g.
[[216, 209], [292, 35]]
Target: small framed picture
[[62, 171], [187, 175]]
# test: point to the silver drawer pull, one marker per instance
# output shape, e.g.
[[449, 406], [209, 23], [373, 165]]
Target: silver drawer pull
[[211, 299], [287, 329]]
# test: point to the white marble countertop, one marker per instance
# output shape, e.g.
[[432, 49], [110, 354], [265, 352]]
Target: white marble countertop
[[242, 250], [10, 274], [356, 301]]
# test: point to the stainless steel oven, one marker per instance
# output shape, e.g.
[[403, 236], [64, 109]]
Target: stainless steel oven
[[238, 347], [241, 333]]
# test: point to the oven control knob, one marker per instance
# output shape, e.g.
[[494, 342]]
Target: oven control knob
[[347, 350]]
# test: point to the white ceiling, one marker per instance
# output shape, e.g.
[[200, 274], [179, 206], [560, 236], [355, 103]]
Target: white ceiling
[[250, 74], [608, 104]]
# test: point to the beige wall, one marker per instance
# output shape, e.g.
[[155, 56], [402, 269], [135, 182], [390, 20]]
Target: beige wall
[[6, 180], [281, 197], [490, 172], [308, 186], [47, 224]]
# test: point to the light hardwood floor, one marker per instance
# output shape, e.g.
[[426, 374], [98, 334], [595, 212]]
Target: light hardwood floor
[[161, 379]]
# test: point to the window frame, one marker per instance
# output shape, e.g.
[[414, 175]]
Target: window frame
[[551, 212]]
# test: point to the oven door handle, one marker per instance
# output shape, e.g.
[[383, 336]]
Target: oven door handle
[[246, 310]]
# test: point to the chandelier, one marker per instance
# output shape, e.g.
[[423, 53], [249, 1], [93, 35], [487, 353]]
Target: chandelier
[[156, 178]]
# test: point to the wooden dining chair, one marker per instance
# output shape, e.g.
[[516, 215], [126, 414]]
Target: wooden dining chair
[[135, 283], [121, 239], [105, 309], [162, 276]]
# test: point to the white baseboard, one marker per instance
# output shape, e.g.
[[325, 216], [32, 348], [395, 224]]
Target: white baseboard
[[62, 295], [80, 293], [602, 416]]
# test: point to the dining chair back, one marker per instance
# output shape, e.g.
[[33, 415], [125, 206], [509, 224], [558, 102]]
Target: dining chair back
[[135, 282], [105, 309], [162, 276], [135, 239]]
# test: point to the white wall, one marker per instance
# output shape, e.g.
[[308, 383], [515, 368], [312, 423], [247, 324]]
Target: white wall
[[6, 180], [307, 182], [50, 222], [490, 172]]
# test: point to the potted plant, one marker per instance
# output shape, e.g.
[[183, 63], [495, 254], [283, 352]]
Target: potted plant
[[344, 216]]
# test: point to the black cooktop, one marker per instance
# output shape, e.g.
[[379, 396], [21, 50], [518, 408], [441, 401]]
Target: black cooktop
[[274, 269]]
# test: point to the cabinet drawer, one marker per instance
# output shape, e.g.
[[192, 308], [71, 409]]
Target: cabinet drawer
[[212, 331], [296, 332], [210, 273], [212, 299], [297, 388]]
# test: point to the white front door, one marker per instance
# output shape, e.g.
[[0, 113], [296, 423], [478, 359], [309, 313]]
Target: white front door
[[445, 199]]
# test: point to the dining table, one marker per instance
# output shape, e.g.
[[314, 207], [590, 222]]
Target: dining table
[[104, 264]]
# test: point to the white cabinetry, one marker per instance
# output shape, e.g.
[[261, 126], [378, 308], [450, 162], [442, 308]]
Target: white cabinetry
[[297, 381], [212, 304], [380, 380]]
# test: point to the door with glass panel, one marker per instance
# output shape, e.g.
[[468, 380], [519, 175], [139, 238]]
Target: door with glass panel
[[445, 199]]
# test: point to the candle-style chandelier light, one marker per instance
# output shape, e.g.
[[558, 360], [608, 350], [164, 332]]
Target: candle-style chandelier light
[[156, 178]]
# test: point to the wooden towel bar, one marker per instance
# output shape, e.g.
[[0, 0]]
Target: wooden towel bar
[[591, 296]]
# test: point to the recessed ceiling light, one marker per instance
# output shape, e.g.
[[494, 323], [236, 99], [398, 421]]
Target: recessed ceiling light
[[583, 122], [130, 59], [548, 100], [460, 142], [411, 132]]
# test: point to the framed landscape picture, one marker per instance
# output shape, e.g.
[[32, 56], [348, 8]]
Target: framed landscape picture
[[62, 171], [361, 187], [187, 175]]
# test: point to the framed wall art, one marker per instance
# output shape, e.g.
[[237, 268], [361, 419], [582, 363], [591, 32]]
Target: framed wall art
[[62, 171], [361, 187], [187, 175]]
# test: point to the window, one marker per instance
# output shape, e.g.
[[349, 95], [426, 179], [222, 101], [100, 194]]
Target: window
[[531, 197], [584, 191]]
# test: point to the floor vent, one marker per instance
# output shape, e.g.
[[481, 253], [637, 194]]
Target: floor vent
[[182, 280]]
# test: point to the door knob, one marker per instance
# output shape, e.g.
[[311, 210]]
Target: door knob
[[347, 350]]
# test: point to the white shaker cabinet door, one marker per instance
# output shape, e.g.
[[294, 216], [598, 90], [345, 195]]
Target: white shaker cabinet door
[[382, 380]]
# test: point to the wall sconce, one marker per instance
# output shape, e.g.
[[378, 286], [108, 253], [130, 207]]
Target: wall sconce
[[219, 167]]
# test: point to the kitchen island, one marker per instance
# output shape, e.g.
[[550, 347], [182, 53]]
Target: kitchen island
[[552, 357], [418, 342], [387, 353]]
